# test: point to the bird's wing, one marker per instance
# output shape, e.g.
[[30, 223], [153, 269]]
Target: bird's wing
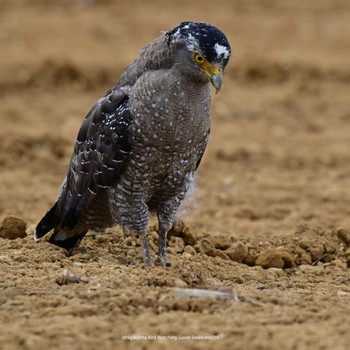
[[102, 142], [99, 153], [97, 161]]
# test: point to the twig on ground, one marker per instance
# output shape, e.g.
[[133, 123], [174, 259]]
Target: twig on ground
[[69, 277], [228, 293]]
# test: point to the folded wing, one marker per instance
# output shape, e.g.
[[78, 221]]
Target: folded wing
[[97, 161]]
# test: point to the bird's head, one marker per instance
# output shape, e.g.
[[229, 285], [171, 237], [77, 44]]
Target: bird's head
[[208, 50]]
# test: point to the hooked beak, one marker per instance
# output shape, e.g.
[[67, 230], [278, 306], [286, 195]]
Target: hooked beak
[[214, 74], [216, 80]]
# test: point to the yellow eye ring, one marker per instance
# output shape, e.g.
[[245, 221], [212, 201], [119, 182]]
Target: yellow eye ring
[[199, 58]]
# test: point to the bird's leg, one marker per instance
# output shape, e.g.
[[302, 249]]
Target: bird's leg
[[134, 220], [144, 243], [162, 257], [165, 218], [147, 260]]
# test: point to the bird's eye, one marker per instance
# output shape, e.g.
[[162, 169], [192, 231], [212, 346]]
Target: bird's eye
[[198, 58]]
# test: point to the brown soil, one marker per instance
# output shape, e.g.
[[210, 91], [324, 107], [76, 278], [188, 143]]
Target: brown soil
[[271, 226]]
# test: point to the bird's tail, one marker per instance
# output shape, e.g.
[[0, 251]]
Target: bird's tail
[[62, 237], [47, 223], [66, 238]]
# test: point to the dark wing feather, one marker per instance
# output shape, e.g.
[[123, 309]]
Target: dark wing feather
[[99, 153], [98, 157]]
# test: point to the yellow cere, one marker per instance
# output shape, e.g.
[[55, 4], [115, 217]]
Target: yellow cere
[[206, 66]]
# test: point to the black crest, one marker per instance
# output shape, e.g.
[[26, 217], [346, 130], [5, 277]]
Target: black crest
[[209, 40]]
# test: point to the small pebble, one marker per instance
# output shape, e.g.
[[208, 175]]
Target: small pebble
[[275, 257], [237, 252], [13, 227]]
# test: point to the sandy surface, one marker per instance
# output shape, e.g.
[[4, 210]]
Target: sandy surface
[[270, 231]]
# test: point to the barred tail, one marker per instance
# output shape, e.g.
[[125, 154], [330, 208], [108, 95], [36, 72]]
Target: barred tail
[[62, 237]]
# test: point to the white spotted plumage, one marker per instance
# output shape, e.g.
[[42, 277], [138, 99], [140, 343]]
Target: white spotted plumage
[[139, 147]]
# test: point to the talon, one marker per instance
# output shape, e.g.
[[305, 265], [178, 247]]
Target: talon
[[147, 262], [162, 260]]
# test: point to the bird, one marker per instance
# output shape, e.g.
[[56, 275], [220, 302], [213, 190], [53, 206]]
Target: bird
[[139, 146]]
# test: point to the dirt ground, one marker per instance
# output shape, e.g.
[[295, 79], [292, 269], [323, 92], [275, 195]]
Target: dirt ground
[[269, 238]]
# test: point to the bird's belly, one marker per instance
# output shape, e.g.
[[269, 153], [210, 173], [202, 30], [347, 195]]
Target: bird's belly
[[160, 166], [152, 172], [156, 174]]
